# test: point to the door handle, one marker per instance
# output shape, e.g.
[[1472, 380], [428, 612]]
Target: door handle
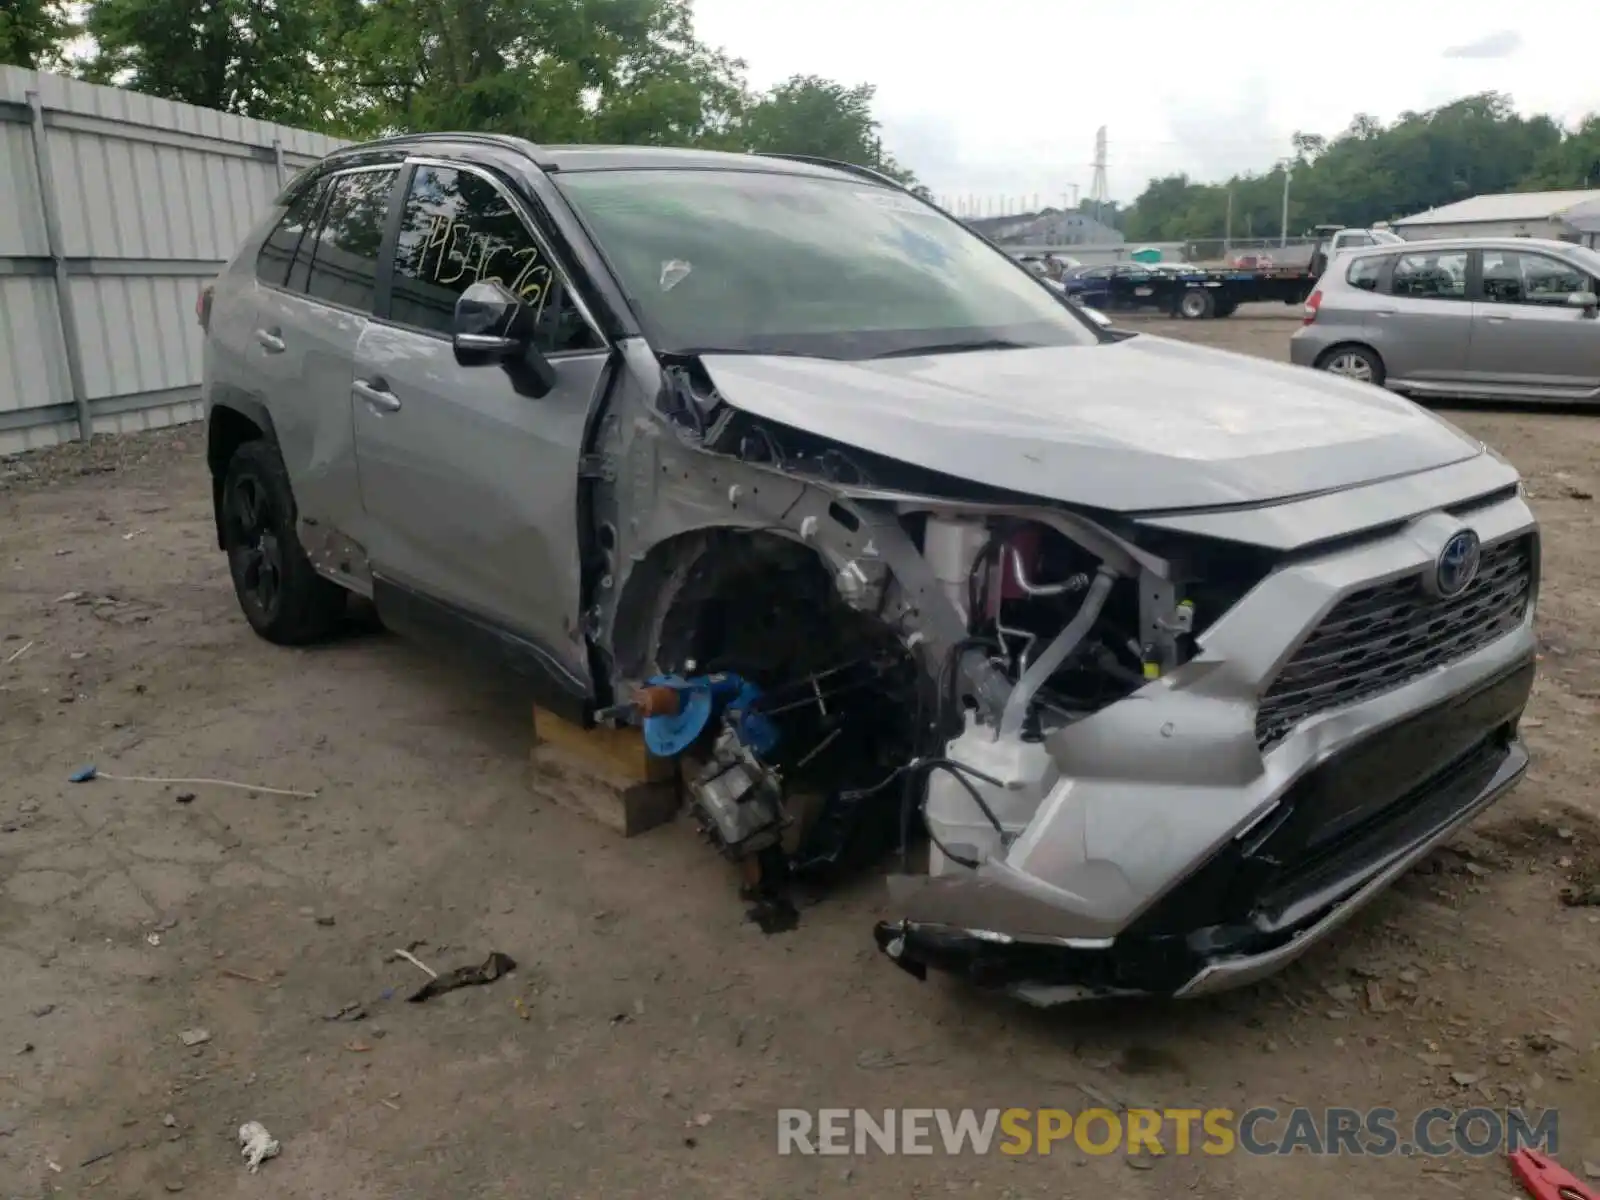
[[1497, 319], [1383, 312], [270, 341], [377, 396]]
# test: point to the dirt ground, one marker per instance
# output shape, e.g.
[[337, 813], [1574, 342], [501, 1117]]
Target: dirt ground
[[648, 1034]]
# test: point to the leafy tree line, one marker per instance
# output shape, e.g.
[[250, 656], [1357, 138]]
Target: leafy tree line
[[1372, 172], [627, 71]]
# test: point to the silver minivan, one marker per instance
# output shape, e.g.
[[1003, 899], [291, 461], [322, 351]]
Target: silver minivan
[[1508, 318]]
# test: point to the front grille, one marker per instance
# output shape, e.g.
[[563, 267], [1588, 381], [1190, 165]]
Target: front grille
[[1384, 636]]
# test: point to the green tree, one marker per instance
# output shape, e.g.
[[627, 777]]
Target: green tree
[[255, 58], [551, 70], [806, 114], [32, 32], [1375, 172], [1573, 163]]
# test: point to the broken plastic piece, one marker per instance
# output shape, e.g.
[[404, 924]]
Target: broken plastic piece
[[488, 971]]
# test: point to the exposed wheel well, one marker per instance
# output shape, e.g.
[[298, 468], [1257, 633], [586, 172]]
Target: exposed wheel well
[[226, 431], [675, 603], [848, 698]]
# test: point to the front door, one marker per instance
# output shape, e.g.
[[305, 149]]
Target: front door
[[1526, 336], [470, 489]]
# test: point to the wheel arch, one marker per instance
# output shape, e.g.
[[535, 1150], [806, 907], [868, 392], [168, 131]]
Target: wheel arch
[[1354, 344], [668, 598], [231, 423]]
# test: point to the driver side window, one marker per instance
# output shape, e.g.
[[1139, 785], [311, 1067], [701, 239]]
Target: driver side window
[[458, 229]]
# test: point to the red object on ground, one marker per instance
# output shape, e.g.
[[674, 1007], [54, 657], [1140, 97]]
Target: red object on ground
[[1545, 1179]]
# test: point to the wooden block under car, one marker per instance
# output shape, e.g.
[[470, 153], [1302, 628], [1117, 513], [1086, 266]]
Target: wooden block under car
[[605, 774]]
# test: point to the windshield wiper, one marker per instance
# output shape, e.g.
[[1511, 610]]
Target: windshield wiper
[[955, 348]]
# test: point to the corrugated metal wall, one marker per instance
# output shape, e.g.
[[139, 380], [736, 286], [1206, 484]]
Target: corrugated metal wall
[[149, 198]]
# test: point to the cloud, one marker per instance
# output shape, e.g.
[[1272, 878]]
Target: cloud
[[1503, 44]]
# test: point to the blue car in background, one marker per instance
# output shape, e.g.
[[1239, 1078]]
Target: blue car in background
[[1114, 286]]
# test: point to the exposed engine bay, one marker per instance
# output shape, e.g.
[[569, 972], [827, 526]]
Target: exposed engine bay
[[820, 721], [853, 657]]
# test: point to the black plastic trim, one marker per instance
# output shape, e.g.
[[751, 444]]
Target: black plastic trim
[[410, 612]]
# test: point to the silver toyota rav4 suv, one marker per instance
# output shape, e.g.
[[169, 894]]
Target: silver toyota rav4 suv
[[1178, 657]]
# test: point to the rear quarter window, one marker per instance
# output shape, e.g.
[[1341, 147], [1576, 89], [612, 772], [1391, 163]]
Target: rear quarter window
[[278, 251], [1364, 273]]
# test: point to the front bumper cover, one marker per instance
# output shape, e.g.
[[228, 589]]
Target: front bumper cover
[[1247, 913], [1177, 856]]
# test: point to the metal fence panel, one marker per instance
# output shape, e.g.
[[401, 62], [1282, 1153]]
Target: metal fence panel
[[143, 200]]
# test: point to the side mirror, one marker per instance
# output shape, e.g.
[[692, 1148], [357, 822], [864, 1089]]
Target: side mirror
[[492, 325], [1587, 301]]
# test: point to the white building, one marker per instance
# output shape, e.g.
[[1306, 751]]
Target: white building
[[1563, 216]]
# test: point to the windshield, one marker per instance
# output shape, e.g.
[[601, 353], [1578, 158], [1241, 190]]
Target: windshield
[[770, 263]]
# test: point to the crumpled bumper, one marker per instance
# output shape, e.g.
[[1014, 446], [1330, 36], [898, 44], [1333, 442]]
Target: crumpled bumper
[[1047, 971], [1176, 856]]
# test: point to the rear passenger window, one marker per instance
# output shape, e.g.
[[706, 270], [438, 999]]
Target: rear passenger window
[[458, 229], [278, 251], [1364, 273], [344, 258], [1436, 276]]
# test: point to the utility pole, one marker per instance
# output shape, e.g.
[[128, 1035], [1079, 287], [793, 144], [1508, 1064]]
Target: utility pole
[[1227, 229], [1283, 229]]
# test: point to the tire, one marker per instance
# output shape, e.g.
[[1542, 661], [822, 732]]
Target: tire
[[1359, 363], [1196, 304], [281, 595]]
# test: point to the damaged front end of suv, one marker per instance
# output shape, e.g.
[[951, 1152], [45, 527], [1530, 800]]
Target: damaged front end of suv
[[1179, 659]]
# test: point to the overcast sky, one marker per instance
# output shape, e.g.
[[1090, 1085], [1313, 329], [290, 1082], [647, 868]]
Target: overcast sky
[[1004, 96]]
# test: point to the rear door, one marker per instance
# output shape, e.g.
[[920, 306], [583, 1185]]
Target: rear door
[[1526, 337], [317, 275], [470, 489], [1423, 324]]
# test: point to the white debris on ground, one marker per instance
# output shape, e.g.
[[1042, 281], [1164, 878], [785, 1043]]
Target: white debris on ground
[[257, 1144]]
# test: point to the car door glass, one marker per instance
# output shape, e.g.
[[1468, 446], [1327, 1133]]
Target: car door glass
[[278, 251], [458, 229], [1364, 273], [1430, 276], [1519, 277], [344, 251]]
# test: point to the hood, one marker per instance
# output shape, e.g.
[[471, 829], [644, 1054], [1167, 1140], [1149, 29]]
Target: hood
[[1139, 425]]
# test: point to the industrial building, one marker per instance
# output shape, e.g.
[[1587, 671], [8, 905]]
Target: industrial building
[[1563, 216], [1050, 227]]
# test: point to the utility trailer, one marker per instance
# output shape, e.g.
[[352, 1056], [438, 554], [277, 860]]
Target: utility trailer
[[1196, 293], [1193, 293], [1218, 293]]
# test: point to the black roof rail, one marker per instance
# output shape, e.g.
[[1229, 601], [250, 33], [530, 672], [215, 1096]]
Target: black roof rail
[[504, 141], [816, 160]]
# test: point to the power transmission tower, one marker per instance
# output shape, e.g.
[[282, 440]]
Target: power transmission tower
[[1099, 191]]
